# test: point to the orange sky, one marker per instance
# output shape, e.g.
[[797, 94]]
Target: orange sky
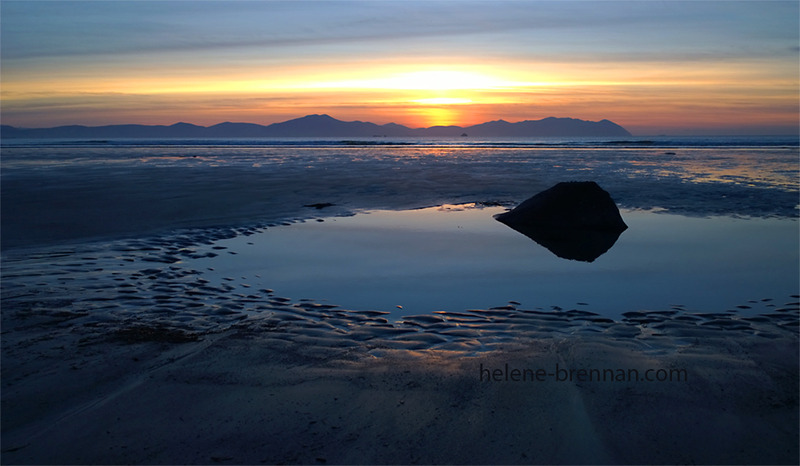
[[652, 68]]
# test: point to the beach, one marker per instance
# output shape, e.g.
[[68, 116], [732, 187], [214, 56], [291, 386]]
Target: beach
[[120, 345], [257, 395], [83, 190]]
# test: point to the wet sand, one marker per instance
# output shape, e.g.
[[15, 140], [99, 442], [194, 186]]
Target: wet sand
[[69, 193], [255, 395], [114, 352]]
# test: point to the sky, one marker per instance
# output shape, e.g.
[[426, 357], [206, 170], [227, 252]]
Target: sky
[[668, 67]]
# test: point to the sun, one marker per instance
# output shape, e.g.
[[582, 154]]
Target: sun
[[430, 96]]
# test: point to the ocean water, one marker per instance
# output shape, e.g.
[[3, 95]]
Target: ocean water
[[713, 221], [755, 176]]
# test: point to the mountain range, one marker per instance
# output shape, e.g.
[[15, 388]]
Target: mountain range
[[327, 126]]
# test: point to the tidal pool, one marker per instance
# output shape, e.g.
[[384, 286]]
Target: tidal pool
[[458, 257]]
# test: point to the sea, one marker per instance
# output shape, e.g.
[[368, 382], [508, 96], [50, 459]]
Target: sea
[[406, 225]]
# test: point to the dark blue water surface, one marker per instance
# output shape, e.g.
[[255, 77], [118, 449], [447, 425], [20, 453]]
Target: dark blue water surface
[[458, 257]]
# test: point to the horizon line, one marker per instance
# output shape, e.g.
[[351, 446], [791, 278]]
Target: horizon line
[[305, 116], [682, 132]]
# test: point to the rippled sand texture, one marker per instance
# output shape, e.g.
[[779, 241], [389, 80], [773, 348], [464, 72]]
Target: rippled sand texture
[[303, 391], [116, 285], [116, 352]]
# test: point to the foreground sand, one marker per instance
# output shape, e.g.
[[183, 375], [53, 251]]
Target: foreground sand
[[264, 393]]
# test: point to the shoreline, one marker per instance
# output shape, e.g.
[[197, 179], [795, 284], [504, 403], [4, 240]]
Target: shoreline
[[75, 194]]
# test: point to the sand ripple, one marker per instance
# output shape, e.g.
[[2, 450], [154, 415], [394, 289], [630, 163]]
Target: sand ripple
[[143, 289]]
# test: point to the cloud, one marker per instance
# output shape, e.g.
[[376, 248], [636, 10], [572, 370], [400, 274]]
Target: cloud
[[79, 29]]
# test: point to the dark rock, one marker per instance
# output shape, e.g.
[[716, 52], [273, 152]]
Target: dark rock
[[320, 205], [158, 333], [574, 220], [581, 204]]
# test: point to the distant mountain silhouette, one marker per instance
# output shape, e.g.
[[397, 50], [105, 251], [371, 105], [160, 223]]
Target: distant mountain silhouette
[[325, 126], [547, 127]]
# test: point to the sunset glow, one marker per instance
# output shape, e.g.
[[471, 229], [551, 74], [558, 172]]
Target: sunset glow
[[425, 81], [443, 101], [651, 67]]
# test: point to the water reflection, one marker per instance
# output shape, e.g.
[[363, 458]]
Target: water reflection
[[573, 244], [456, 258]]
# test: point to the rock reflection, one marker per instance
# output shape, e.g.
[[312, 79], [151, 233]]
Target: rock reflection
[[570, 243]]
